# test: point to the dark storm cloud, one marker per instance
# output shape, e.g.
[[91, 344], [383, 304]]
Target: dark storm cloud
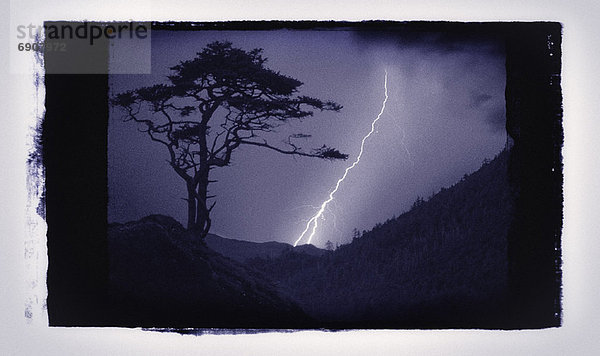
[[496, 118], [441, 38], [478, 99], [494, 108], [445, 43]]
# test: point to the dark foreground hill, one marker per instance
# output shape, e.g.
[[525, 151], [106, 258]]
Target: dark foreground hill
[[161, 276], [442, 264]]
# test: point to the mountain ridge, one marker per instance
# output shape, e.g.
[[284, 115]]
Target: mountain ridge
[[441, 264], [242, 250]]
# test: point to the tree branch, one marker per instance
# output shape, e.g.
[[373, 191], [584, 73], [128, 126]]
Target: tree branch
[[294, 151]]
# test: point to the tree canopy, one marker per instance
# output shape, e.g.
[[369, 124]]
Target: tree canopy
[[220, 100]]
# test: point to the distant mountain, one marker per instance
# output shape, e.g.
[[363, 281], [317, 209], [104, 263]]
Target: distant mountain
[[242, 251], [162, 276], [310, 250], [442, 264]]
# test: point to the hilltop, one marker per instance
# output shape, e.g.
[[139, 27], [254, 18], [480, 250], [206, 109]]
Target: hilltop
[[243, 251], [163, 276]]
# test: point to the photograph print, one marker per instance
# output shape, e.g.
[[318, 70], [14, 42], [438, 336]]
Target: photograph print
[[309, 175]]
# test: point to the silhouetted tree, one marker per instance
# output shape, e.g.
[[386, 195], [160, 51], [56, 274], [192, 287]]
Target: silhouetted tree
[[419, 201], [329, 245], [355, 234], [222, 99]]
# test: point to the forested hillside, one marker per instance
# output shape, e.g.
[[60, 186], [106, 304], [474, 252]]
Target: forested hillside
[[441, 264]]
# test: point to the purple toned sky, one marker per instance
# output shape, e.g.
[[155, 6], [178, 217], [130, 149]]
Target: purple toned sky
[[444, 116]]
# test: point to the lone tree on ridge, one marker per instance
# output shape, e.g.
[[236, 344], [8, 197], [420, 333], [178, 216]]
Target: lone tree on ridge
[[222, 99]]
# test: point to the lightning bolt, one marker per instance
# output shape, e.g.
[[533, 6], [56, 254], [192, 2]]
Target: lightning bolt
[[314, 221], [403, 143]]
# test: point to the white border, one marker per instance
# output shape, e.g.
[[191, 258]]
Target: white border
[[581, 245]]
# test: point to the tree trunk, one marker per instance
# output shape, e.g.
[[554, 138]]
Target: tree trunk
[[201, 213], [191, 200], [202, 225], [203, 221]]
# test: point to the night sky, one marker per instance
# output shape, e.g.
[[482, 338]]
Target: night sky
[[444, 116]]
